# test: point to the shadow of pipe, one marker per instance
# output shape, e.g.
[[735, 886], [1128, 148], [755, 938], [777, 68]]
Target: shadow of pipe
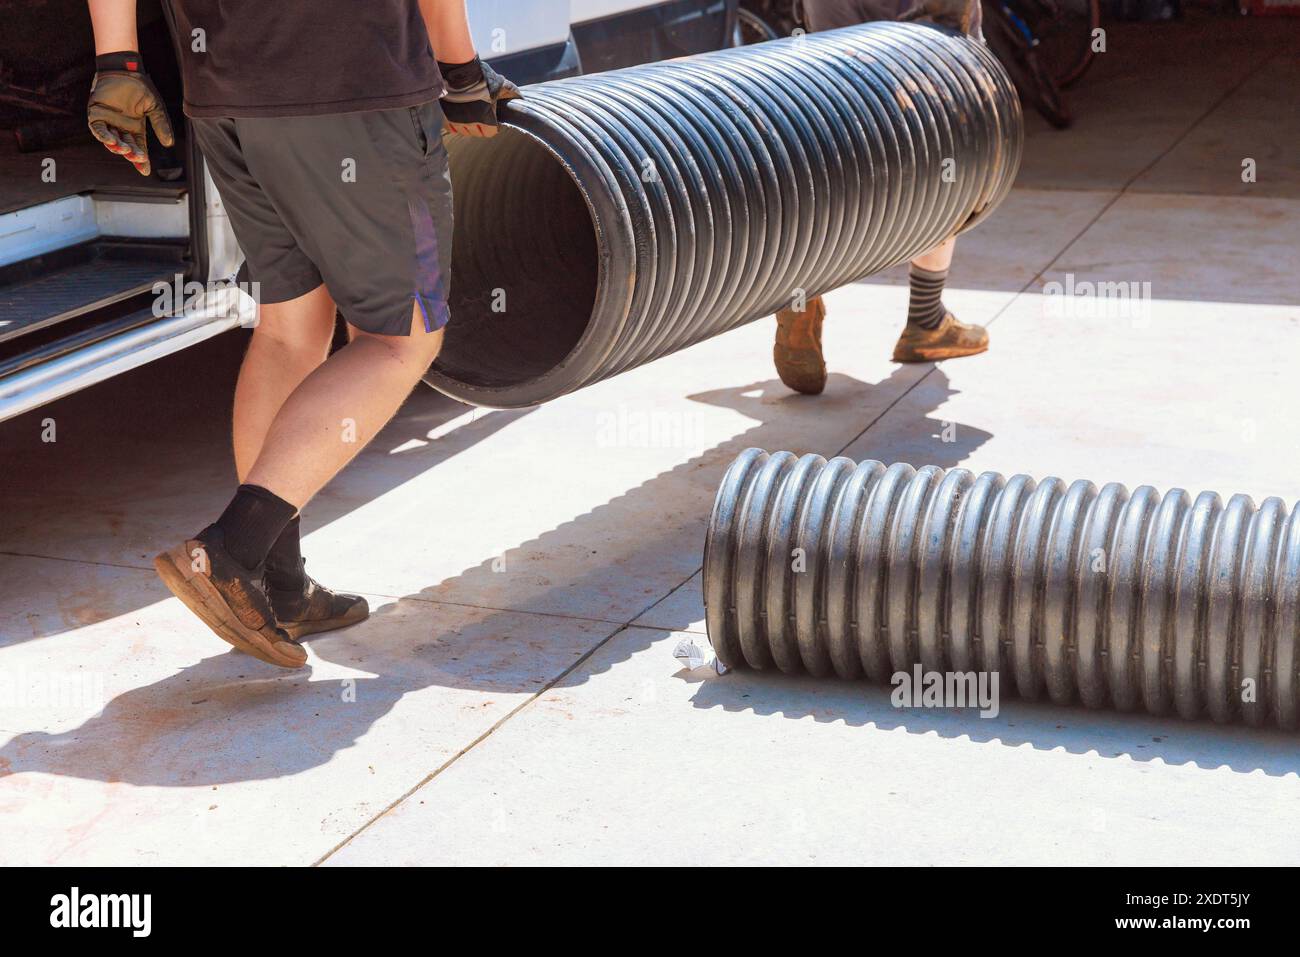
[[1041, 725]]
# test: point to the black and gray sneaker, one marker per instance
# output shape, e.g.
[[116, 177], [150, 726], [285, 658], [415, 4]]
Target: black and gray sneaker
[[311, 608]]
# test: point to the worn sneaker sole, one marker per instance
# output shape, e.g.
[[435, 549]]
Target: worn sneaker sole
[[935, 355], [804, 372], [301, 629], [200, 596]]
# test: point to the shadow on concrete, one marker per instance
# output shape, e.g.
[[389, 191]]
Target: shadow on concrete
[[1039, 724], [116, 439], [275, 723]]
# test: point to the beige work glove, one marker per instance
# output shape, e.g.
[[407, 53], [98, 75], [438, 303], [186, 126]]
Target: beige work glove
[[122, 100]]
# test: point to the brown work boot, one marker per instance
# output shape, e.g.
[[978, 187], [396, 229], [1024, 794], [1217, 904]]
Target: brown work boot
[[798, 349], [313, 608], [948, 340], [228, 597]]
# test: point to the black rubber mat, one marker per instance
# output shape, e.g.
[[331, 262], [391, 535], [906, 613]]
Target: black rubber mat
[[71, 282]]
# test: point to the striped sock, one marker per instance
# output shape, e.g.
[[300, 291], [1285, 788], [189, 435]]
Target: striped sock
[[925, 307]]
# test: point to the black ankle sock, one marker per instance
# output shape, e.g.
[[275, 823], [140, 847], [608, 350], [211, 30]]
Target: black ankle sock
[[925, 306], [284, 570], [252, 522]]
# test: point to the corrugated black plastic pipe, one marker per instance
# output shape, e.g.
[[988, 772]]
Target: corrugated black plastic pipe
[[622, 216], [1129, 599]]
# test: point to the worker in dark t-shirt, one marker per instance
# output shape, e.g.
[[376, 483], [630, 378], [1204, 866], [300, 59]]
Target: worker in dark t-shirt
[[322, 127], [932, 332]]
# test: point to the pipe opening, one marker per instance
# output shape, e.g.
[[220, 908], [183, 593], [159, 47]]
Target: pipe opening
[[524, 262]]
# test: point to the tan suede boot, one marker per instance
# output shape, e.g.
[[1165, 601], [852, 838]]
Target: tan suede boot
[[950, 340], [798, 349]]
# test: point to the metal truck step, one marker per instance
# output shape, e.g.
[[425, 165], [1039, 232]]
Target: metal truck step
[[52, 288]]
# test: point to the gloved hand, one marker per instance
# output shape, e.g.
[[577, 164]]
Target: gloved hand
[[122, 99], [473, 91], [960, 15]]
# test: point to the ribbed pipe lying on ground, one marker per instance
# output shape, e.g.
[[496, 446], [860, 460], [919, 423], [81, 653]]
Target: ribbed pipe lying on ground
[[622, 216], [1125, 599]]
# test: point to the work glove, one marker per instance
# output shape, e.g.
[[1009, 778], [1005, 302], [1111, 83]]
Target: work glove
[[122, 99], [957, 14], [473, 91]]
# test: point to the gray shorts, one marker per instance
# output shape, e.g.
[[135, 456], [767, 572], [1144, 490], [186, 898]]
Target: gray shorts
[[358, 201]]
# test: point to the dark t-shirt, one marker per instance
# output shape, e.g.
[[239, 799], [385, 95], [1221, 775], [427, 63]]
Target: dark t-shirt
[[303, 57], [833, 14]]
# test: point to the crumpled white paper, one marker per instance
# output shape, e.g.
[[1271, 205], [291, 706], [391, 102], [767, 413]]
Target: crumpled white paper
[[691, 657]]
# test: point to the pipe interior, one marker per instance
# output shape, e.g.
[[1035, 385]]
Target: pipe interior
[[524, 263]]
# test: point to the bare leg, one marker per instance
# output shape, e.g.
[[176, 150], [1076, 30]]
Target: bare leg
[[290, 340], [939, 258], [339, 408], [288, 396]]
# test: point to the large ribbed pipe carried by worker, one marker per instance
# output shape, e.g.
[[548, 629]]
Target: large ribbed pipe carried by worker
[[622, 216], [1123, 599]]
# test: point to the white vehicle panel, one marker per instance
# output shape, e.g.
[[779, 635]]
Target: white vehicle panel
[[501, 27], [580, 11]]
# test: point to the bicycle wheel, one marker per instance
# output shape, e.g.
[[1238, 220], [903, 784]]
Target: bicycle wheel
[[1028, 71], [751, 28], [1064, 29], [1046, 93]]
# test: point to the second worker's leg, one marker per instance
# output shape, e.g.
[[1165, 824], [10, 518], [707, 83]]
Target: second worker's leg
[[797, 351], [932, 332]]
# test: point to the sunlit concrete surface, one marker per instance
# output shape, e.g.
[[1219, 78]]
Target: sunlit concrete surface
[[514, 698]]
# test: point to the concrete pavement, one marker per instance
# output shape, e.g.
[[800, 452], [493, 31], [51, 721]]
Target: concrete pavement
[[514, 698]]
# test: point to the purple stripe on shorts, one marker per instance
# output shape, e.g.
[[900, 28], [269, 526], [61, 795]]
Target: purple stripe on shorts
[[430, 287]]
